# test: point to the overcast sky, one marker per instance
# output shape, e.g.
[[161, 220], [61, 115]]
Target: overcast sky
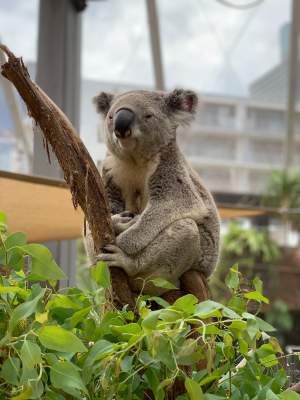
[[205, 45]]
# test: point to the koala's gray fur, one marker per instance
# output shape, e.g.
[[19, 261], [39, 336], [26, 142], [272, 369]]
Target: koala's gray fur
[[175, 226]]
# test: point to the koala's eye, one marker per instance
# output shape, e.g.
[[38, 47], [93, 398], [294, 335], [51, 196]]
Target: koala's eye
[[110, 116], [148, 116]]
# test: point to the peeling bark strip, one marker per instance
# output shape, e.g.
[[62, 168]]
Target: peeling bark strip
[[79, 170]]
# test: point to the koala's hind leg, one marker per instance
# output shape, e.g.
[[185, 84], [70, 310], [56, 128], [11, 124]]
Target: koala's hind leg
[[174, 251], [195, 282]]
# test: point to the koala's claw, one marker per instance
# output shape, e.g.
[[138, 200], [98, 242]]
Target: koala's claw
[[121, 222], [115, 257], [128, 214], [112, 248]]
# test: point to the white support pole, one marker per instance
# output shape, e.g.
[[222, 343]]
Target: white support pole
[[292, 83], [155, 44]]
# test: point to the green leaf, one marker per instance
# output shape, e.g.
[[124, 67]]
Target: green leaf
[[150, 321], [164, 353], [100, 274], [238, 325], [28, 374], [30, 354], [270, 395], [100, 350], [238, 304], [186, 304], [164, 383], [256, 296], [210, 330], [59, 339], [252, 328], [194, 389], [243, 346], [187, 354], [128, 330], [258, 284], [15, 259], [43, 266], [51, 358], [3, 218], [24, 310], [145, 358], [215, 375], [279, 381], [126, 363], [10, 370], [50, 395], [64, 374], [208, 308], [62, 301], [162, 283], [275, 345], [15, 239], [266, 355], [159, 301], [232, 280], [11, 289], [264, 326], [170, 315], [227, 312], [37, 389], [3, 223], [78, 317], [151, 377], [24, 395], [290, 395]]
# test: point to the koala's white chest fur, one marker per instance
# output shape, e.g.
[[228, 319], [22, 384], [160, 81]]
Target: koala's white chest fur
[[132, 179]]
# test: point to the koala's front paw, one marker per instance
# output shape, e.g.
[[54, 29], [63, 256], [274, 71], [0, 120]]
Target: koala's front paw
[[115, 257], [121, 222]]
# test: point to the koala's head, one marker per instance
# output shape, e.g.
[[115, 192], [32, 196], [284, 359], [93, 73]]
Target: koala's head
[[140, 123]]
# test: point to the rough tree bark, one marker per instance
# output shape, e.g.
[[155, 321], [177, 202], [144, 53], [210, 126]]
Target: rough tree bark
[[79, 170]]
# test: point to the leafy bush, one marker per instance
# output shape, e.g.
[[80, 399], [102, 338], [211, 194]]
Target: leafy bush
[[283, 192], [73, 343], [249, 245]]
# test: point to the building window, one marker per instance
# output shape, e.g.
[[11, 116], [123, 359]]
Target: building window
[[265, 121], [217, 116]]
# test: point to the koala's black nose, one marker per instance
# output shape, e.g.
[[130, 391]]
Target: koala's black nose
[[123, 122]]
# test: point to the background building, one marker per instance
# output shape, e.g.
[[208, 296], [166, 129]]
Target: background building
[[234, 142]]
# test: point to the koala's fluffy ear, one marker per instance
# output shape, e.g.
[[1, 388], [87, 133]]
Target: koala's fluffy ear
[[103, 102], [183, 103]]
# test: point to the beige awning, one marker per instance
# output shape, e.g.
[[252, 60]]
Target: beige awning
[[43, 209], [40, 207]]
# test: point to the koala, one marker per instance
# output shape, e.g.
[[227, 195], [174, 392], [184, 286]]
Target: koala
[[165, 220]]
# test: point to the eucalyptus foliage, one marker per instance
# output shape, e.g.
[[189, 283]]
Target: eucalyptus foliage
[[283, 193], [73, 344], [249, 245]]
